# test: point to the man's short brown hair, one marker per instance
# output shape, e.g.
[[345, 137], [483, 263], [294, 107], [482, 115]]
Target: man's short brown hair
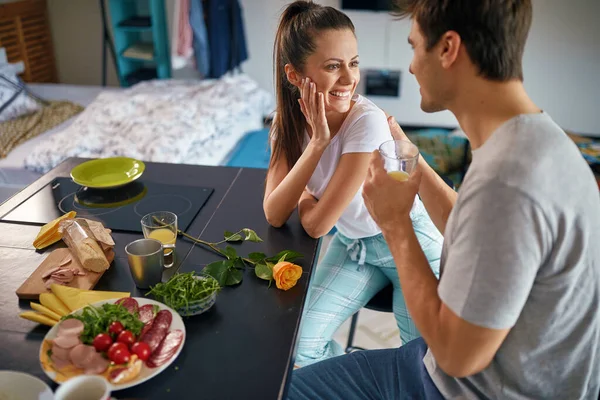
[[494, 32]]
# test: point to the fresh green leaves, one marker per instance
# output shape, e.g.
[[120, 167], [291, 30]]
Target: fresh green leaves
[[287, 255], [232, 237], [227, 272], [264, 271], [182, 289], [97, 319], [230, 272], [249, 235]]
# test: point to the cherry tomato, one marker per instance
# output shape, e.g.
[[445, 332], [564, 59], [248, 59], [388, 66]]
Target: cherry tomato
[[141, 349], [115, 328], [115, 347], [102, 342], [126, 337]]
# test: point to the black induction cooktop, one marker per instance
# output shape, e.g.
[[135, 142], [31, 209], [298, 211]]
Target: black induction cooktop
[[119, 209]]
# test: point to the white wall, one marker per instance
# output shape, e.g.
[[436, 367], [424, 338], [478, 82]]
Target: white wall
[[561, 63]]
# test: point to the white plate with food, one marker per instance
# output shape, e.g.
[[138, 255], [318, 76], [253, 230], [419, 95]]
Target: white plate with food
[[126, 345]]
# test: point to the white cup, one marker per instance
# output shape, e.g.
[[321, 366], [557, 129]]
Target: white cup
[[84, 387]]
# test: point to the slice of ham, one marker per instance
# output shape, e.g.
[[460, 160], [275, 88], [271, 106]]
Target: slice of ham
[[50, 272], [167, 349], [61, 353], [82, 355], [66, 341], [96, 365], [59, 363], [71, 326], [130, 304], [157, 332]]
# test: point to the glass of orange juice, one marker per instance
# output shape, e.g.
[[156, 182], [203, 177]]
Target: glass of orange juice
[[400, 158], [162, 226]]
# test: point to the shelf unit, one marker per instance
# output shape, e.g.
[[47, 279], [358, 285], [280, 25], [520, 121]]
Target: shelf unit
[[141, 40]]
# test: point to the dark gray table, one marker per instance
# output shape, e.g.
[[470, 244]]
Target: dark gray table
[[242, 348]]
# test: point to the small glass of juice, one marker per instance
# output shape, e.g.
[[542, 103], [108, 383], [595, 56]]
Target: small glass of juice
[[162, 226], [400, 158]]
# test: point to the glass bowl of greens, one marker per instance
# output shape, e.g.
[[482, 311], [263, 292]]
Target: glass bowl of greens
[[188, 293]]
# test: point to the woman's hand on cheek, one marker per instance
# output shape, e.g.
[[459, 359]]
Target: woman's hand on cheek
[[312, 105]]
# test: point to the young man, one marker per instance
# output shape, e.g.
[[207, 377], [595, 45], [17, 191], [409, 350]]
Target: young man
[[516, 312]]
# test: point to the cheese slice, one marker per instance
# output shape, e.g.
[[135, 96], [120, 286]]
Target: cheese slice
[[75, 298], [50, 230], [44, 310], [38, 317], [47, 241], [52, 302]]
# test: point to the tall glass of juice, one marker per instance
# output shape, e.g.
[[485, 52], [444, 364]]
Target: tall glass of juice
[[162, 226]]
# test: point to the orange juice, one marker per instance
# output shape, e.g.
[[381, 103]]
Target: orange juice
[[165, 236], [399, 175]]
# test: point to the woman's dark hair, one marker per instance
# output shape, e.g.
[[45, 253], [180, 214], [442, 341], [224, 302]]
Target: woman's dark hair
[[300, 22]]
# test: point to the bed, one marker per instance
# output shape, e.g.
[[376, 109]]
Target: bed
[[191, 122]]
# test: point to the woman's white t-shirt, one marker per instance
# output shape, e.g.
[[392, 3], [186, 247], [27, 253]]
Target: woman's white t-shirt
[[363, 131]]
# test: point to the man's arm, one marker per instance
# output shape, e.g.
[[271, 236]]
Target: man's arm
[[459, 347], [499, 240], [438, 198]]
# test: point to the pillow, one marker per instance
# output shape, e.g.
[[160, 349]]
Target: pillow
[[14, 99]]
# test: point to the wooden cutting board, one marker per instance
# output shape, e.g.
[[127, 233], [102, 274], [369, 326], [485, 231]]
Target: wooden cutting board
[[34, 285]]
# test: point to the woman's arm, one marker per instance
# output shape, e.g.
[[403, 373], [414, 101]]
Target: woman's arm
[[284, 187], [319, 216]]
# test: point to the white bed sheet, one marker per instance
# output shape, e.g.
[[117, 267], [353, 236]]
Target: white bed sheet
[[13, 175]]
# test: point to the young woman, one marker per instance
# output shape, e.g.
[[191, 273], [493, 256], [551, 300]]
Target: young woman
[[322, 137]]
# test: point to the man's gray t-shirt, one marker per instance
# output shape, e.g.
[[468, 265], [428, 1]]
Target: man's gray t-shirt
[[522, 251]]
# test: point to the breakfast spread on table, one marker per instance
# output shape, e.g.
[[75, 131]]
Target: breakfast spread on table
[[88, 255], [124, 341]]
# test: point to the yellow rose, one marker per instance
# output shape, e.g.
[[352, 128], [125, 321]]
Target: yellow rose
[[286, 274]]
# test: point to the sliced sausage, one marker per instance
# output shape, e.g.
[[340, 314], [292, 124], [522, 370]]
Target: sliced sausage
[[61, 353], [82, 355], [59, 363], [146, 315], [96, 365], [155, 335], [70, 327], [66, 341], [130, 304], [167, 349]]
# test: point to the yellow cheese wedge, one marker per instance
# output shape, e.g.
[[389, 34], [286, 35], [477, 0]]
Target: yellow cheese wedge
[[75, 298], [44, 310], [52, 302], [50, 231], [45, 242], [38, 317]]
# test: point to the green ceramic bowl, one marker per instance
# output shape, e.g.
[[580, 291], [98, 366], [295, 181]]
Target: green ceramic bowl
[[107, 173]]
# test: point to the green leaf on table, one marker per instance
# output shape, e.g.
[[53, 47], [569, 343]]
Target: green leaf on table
[[234, 276], [232, 237], [238, 263], [257, 257], [289, 255], [219, 270], [251, 235], [264, 272], [230, 253]]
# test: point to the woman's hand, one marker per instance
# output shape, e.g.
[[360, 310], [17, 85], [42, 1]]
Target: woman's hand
[[312, 105]]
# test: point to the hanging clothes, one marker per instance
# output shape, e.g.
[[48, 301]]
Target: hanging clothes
[[200, 42], [226, 37]]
